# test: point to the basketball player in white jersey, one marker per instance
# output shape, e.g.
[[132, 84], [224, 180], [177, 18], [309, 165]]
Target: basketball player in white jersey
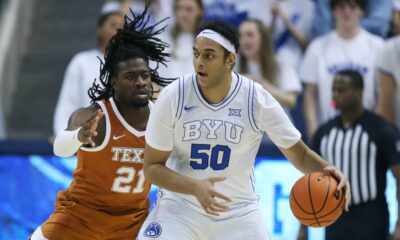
[[201, 142]]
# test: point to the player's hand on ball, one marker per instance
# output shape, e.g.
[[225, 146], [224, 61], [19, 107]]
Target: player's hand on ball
[[343, 184], [89, 129], [206, 194]]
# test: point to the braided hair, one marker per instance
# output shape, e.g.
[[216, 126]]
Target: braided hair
[[135, 40]]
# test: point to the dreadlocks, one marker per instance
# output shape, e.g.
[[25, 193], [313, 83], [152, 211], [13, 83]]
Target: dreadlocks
[[134, 40]]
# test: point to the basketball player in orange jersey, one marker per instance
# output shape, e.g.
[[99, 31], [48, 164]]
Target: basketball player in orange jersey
[[108, 197]]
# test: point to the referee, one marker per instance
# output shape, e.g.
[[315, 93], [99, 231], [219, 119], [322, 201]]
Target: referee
[[363, 146]]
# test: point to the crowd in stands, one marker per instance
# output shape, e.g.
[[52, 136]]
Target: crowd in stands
[[291, 47]]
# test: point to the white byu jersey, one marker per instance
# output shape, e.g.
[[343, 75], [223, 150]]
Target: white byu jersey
[[221, 139]]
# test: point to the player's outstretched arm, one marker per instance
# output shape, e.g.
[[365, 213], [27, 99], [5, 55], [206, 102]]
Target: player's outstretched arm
[[306, 160], [157, 173], [82, 127]]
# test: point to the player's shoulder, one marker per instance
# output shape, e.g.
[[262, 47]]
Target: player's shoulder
[[248, 86], [244, 81]]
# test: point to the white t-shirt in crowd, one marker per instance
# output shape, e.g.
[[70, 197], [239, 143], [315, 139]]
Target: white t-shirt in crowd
[[181, 60], [330, 54], [388, 62], [217, 139], [83, 69]]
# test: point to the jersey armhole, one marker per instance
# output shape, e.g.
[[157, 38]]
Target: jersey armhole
[[181, 97], [108, 131], [251, 107]]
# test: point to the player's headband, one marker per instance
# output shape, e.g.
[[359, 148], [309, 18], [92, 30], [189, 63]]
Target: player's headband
[[216, 37]]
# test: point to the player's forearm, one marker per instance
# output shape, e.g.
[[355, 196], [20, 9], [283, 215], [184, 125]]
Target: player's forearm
[[160, 175], [303, 158], [312, 162]]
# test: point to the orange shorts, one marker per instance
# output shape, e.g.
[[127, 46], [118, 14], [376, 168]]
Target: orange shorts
[[72, 220]]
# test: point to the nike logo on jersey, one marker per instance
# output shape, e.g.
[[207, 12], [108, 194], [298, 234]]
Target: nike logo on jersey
[[188, 109], [117, 137]]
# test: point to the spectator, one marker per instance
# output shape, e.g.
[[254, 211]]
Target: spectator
[[347, 47], [232, 11], [375, 20], [82, 70], [363, 152], [395, 22], [292, 27], [257, 60], [188, 15], [389, 78]]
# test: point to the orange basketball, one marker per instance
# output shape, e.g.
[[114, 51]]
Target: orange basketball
[[314, 200]]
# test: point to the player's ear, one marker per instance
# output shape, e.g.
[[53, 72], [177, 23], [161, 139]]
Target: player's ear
[[230, 60], [113, 80]]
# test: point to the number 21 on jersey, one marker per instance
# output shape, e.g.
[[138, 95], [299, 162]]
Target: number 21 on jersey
[[126, 176]]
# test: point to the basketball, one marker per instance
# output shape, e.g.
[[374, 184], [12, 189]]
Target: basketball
[[314, 200]]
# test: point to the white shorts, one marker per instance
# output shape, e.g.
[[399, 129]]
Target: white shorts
[[173, 220], [38, 235]]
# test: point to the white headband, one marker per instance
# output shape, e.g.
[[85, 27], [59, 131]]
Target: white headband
[[216, 37]]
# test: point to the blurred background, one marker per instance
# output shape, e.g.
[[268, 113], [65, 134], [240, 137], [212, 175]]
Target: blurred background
[[49, 56]]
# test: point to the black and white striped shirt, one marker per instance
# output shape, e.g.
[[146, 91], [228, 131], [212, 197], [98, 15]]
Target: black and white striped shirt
[[362, 152]]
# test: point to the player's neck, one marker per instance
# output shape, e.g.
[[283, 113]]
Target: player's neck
[[348, 32], [135, 116], [350, 116], [217, 93]]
